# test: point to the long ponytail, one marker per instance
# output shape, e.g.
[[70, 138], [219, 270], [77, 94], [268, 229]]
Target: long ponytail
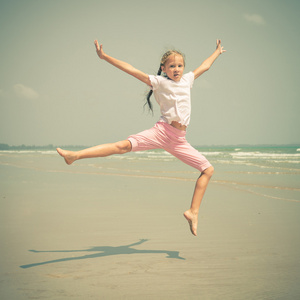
[[149, 94]]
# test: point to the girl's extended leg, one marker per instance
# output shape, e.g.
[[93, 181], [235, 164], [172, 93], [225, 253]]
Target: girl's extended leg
[[97, 151], [192, 214]]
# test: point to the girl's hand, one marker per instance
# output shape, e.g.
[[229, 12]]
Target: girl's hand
[[99, 49], [219, 47]]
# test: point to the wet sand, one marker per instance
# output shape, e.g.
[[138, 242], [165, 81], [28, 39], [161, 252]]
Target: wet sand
[[73, 235]]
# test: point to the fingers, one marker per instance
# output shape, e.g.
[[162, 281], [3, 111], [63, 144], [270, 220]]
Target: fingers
[[221, 48], [97, 45]]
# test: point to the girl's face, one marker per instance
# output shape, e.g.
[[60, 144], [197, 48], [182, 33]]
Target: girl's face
[[174, 67]]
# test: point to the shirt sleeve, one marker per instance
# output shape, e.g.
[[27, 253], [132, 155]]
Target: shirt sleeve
[[155, 80], [190, 78]]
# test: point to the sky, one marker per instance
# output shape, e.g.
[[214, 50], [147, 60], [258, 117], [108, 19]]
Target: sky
[[55, 90]]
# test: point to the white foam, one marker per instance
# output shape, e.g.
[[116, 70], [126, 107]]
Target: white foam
[[211, 153], [18, 151], [288, 161], [264, 155], [48, 152], [29, 151]]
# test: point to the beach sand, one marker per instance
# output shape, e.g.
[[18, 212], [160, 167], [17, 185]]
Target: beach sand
[[67, 234]]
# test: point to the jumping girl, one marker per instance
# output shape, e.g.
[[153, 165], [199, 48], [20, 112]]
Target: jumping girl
[[172, 93]]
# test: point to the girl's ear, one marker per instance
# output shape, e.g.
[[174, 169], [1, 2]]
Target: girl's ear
[[162, 67]]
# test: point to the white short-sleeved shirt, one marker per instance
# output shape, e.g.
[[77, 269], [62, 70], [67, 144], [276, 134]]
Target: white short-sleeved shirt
[[174, 98]]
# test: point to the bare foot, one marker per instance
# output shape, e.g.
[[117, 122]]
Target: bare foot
[[193, 221], [69, 156]]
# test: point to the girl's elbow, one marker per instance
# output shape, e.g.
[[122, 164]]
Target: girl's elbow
[[206, 68], [203, 70]]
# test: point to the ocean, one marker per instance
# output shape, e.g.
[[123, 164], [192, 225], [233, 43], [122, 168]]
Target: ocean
[[269, 171]]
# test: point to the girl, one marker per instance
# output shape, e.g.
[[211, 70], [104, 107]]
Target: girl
[[172, 93]]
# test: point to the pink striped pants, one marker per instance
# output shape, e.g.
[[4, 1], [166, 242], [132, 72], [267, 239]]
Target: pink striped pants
[[172, 140]]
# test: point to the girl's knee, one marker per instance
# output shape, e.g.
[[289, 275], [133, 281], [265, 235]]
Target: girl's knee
[[123, 147], [209, 171]]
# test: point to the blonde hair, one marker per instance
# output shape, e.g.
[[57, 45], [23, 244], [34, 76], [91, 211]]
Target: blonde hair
[[166, 56], [163, 60]]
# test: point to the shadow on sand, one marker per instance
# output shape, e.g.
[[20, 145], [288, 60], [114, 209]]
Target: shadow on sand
[[103, 251]]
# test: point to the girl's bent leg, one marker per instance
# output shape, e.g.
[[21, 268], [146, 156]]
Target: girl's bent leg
[[192, 214], [97, 151]]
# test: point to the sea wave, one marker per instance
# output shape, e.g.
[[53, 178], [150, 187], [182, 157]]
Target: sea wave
[[29, 151], [264, 155], [259, 157], [48, 152], [211, 153]]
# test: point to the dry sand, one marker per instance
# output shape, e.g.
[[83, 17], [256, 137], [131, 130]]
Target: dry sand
[[87, 236]]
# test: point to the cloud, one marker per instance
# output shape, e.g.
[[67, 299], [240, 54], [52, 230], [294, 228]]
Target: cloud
[[25, 92], [254, 18]]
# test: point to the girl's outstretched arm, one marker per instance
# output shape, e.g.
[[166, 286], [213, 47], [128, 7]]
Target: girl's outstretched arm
[[209, 61], [129, 69]]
